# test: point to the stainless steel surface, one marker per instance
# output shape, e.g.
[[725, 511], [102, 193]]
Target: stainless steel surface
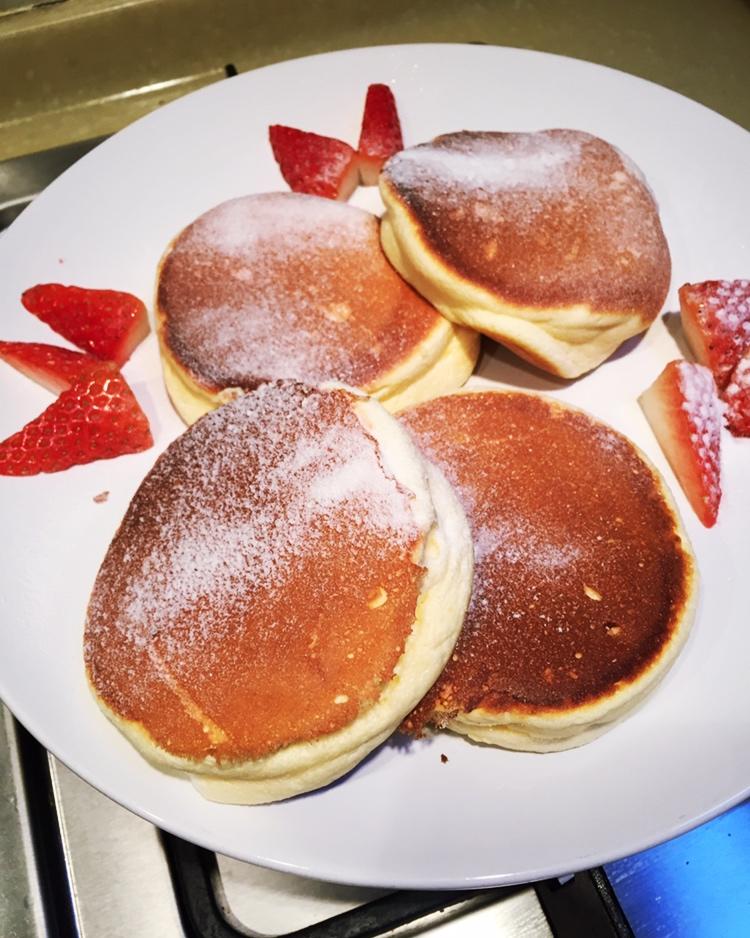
[[21, 913], [121, 883], [272, 903], [517, 916]]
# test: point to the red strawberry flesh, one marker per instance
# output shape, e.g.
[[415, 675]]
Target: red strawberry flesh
[[53, 367], [380, 136], [685, 414], [108, 324], [98, 417], [313, 164], [716, 320], [737, 398]]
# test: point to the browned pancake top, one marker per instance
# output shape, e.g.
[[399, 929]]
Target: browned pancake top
[[548, 219], [261, 581], [580, 577], [283, 285]]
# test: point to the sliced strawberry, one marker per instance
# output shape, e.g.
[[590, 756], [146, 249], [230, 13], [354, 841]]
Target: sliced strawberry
[[737, 398], [314, 164], [106, 323], [53, 367], [380, 136], [716, 320], [98, 417], [685, 414]]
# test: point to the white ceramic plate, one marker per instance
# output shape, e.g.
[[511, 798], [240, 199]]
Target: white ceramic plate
[[403, 818]]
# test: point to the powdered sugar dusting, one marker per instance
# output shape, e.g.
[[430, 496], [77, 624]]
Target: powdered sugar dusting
[[284, 285], [510, 546], [553, 218], [703, 409], [740, 380], [721, 311], [525, 161], [268, 342], [519, 542], [245, 496], [241, 227], [737, 398], [577, 567], [730, 307]]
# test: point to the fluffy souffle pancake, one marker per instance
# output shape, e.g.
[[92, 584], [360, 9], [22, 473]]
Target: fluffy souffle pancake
[[584, 580], [287, 582], [290, 286], [549, 242]]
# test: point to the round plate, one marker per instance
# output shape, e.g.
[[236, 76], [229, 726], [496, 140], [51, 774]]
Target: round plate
[[405, 817]]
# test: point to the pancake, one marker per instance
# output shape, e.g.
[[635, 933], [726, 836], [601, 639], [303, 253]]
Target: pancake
[[584, 583], [290, 286], [548, 242], [287, 582]]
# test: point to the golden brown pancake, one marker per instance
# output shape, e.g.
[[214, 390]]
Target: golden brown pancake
[[286, 583], [548, 242], [584, 581], [290, 286]]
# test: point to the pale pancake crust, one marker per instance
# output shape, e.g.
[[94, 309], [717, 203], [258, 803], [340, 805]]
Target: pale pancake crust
[[584, 582], [549, 242]]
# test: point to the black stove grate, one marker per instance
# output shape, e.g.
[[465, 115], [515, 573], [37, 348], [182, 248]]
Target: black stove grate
[[584, 905]]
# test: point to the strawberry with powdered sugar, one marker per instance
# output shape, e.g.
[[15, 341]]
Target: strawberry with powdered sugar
[[685, 414], [716, 320], [737, 398]]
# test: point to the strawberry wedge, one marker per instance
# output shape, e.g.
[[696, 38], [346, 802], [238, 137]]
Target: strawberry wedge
[[716, 320], [684, 411], [380, 136], [97, 417], [108, 324], [314, 164], [736, 396], [53, 367]]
